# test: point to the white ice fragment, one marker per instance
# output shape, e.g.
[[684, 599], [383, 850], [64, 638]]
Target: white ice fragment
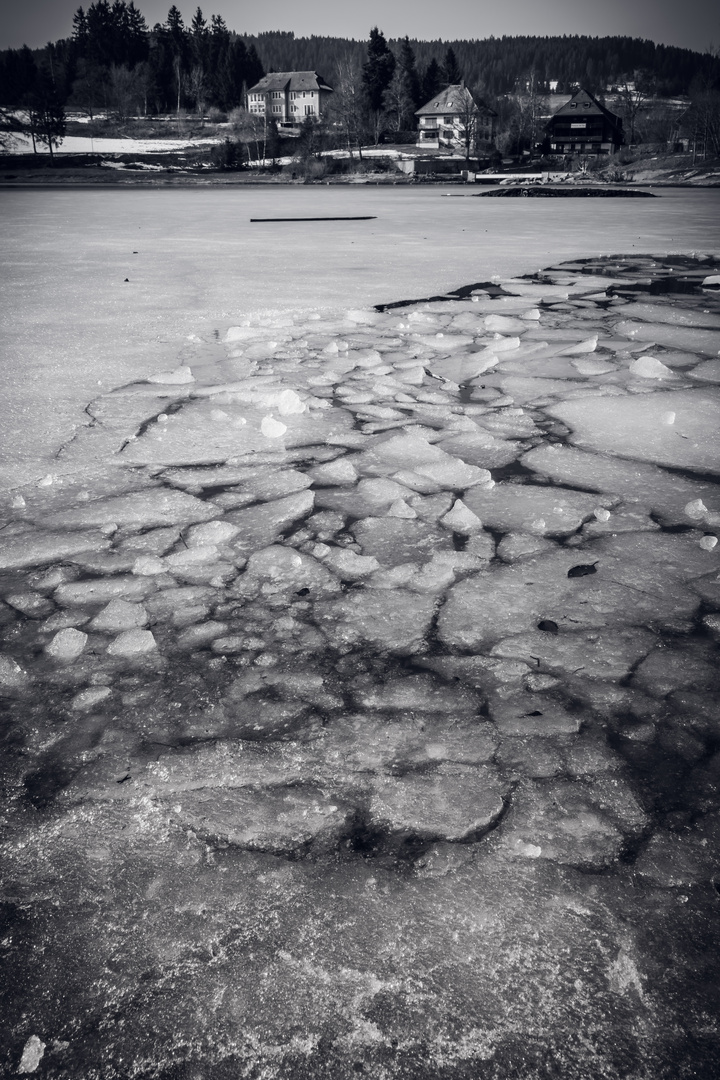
[[67, 644], [193, 556], [12, 676], [289, 402], [529, 851], [532, 315], [32, 1055], [340, 471], [118, 615], [592, 366], [504, 324], [181, 374], [711, 279], [400, 509], [505, 344], [587, 346], [601, 514], [272, 429], [88, 699], [18, 503], [349, 565], [648, 367], [148, 565], [538, 525], [46, 481], [708, 543], [668, 418], [453, 473], [462, 520], [132, 643], [211, 532], [236, 333], [695, 509]]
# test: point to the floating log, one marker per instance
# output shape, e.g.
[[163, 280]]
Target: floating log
[[361, 217]]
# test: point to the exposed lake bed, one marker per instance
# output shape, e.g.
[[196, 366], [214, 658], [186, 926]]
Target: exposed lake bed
[[361, 682]]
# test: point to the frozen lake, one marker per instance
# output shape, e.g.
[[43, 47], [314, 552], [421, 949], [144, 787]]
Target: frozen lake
[[359, 667], [194, 262]]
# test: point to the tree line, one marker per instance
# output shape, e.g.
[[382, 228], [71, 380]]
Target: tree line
[[114, 60], [114, 64]]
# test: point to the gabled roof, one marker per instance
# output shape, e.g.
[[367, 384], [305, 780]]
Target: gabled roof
[[454, 99], [290, 80], [583, 102]]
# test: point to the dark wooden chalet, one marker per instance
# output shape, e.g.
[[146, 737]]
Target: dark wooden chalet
[[583, 126]]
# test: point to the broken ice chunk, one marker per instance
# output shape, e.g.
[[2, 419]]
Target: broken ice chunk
[[137, 509], [340, 471], [664, 493], [548, 511], [400, 509], [587, 346], [348, 565], [119, 615], [272, 429], [35, 547], [66, 645], [462, 520], [454, 473], [397, 620], [648, 367], [608, 655], [396, 540], [696, 509], [709, 370], [179, 375], [632, 426], [690, 339], [132, 643]]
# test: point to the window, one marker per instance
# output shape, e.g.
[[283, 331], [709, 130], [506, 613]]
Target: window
[[573, 104], [586, 105], [277, 108]]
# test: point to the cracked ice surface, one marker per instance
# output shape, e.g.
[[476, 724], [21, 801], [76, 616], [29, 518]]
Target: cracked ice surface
[[362, 698]]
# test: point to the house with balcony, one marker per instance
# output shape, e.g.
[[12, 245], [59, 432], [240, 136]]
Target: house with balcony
[[288, 97], [454, 120], [583, 126]]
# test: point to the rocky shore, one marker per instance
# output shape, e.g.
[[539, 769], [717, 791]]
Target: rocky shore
[[360, 689]]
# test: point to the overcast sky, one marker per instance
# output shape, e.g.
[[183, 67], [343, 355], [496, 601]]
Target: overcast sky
[[693, 24]]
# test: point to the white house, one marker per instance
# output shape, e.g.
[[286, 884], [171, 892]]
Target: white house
[[444, 121], [289, 96]]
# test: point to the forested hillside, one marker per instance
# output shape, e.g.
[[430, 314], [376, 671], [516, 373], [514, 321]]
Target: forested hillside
[[498, 63], [113, 59]]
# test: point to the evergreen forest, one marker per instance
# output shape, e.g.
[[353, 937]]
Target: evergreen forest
[[111, 59]]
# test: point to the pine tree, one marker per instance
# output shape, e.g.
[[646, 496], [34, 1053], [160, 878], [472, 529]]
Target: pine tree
[[431, 82], [452, 75], [255, 69], [378, 70], [80, 28]]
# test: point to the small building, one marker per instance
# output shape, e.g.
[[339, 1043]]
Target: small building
[[583, 126], [289, 97], [454, 120]]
